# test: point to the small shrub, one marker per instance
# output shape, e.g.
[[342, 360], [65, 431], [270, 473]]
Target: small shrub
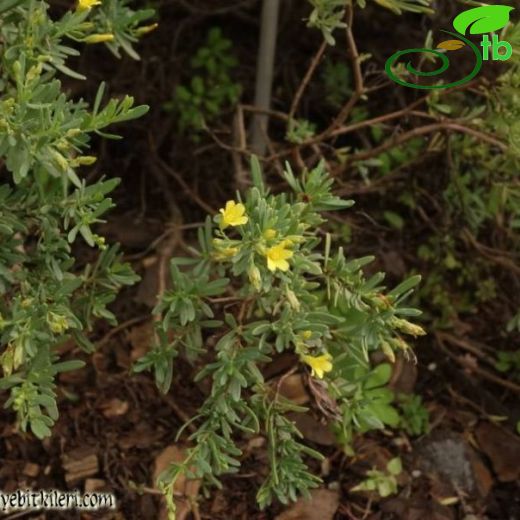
[[263, 285], [45, 205]]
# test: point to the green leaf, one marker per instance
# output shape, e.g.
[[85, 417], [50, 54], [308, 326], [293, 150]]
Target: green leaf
[[385, 413], [385, 488], [379, 376], [67, 366], [405, 286], [485, 19], [394, 219], [6, 5], [395, 467], [39, 428]]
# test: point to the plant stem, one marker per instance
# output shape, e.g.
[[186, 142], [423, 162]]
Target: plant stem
[[308, 75], [264, 74]]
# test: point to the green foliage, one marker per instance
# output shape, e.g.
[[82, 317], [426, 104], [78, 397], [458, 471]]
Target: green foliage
[[400, 6], [337, 80], [117, 18], [327, 16], [383, 482], [45, 205], [300, 130], [509, 362], [261, 284], [211, 89], [480, 202], [414, 416], [453, 287]]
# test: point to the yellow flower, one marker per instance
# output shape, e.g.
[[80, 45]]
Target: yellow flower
[[233, 214], [99, 38], [277, 257], [319, 364], [83, 5]]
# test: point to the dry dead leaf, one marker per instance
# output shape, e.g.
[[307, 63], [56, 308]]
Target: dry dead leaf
[[114, 408], [404, 375], [94, 484], [502, 448], [140, 338], [292, 388], [148, 286], [321, 506], [31, 470], [312, 429], [182, 488]]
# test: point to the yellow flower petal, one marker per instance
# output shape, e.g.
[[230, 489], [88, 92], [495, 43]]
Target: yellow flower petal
[[233, 214], [84, 5], [277, 257], [319, 364]]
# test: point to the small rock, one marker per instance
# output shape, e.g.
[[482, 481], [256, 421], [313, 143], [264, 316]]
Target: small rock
[[448, 456]]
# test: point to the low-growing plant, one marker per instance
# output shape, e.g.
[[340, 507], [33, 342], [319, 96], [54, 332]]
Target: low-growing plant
[[382, 482], [299, 130], [414, 417], [45, 205], [509, 362], [262, 283], [211, 89], [337, 82]]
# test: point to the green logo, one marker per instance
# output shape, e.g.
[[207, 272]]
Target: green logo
[[481, 20]]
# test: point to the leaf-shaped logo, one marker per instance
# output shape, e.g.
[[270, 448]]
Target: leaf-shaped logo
[[485, 19], [451, 45]]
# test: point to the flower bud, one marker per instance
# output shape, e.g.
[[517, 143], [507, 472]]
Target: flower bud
[[269, 234], [254, 277], [99, 38], [292, 299], [140, 31]]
